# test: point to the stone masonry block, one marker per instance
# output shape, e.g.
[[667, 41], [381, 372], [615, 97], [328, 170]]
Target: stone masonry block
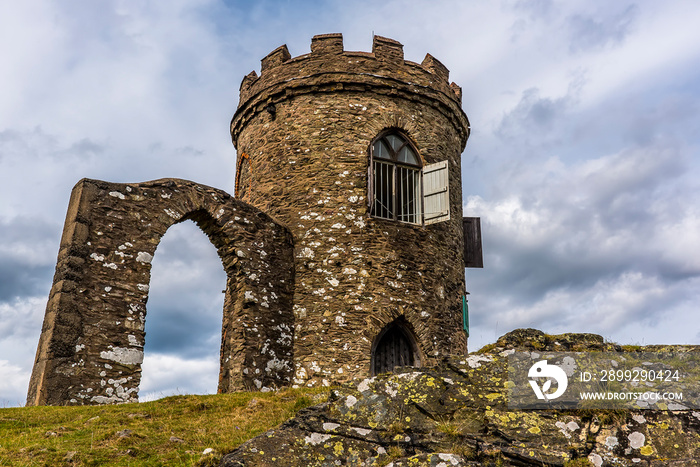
[[275, 58], [434, 66], [387, 49], [325, 44]]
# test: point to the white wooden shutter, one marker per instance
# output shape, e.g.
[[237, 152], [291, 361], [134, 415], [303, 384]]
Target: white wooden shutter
[[436, 193]]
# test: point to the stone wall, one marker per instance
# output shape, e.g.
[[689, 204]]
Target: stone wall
[[305, 127], [91, 345]]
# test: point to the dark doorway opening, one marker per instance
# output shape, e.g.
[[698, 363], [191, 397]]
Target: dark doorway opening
[[394, 347]]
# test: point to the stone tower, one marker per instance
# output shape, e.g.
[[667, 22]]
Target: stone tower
[[358, 155]]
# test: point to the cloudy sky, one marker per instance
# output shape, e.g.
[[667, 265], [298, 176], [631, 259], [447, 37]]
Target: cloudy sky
[[583, 162]]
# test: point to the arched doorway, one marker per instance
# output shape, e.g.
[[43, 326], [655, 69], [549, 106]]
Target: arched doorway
[[184, 316], [394, 347]]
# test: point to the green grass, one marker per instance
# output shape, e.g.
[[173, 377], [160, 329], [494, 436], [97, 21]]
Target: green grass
[[171, 431]]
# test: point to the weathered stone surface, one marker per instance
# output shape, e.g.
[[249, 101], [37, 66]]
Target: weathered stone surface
[[456, 414], [533, 339], [91, 345], [303, 130]]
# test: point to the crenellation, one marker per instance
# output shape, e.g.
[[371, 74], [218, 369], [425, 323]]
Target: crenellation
[[329, 69], [275, 58], [457, 90], [388, 50], [436, 67], [327, 44], [248, 81]]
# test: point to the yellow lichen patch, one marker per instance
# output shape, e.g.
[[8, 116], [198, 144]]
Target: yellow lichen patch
[[338, 448], [418, 398], [668, 435], [507, 417], [534, 430], [493, 395], [646, 450]]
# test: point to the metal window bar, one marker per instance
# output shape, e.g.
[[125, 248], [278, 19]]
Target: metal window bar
[[403, 201], [383, 190], [418, 195], [408, 195]]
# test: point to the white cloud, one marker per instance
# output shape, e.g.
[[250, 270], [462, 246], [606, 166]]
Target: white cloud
[[662, 45], [19, 319], [614, 204], [168, 375], [601, 245], [628, 309], [185, 303], [14, 381], [20, 326], [121, 76], [604, 308]]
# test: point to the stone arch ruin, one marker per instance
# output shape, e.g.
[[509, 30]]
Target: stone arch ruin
[[91, 345]]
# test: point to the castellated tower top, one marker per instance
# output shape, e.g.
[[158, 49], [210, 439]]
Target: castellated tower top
[[329, 68]]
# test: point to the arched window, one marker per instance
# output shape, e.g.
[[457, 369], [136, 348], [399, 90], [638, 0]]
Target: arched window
[[394, 347], [395, 179]]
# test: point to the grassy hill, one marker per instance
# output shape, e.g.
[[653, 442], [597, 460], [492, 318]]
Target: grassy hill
[[176, 430]]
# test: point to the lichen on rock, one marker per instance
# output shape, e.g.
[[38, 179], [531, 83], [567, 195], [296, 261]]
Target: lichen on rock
[[456, 414]]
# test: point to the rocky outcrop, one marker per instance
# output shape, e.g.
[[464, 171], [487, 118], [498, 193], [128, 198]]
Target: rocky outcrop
[[456, 414]]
